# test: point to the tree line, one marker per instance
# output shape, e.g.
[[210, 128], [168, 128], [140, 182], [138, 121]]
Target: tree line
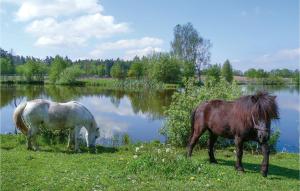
[[189, 56]]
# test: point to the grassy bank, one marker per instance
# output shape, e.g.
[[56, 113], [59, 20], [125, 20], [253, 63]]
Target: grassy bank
[[151, 166], [107, 83]]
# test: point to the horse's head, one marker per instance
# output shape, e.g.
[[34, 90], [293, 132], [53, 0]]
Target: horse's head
[[263, 130], [93, 134], [263, 111]]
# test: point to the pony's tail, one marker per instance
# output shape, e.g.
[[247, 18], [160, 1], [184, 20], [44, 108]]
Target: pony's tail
[[17, 117]]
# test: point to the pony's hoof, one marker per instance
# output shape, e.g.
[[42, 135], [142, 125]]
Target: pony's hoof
[[30, 149], [240, 169], [78, 151], [264, 174]]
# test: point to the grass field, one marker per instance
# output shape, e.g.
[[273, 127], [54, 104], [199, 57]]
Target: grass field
[[151, 166]]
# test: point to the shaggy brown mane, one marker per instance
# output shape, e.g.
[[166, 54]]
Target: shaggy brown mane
[[262, 106]]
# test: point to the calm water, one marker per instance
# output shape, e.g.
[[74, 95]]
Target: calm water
[[139, 114]]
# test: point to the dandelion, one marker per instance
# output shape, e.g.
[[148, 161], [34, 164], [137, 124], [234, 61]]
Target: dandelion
[[137, 149], [168, 150], [135, 156], [192, 178]]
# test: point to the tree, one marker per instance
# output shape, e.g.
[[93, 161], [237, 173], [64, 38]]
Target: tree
[[101, 70], [117, 71], [136, 69], [33, 68], [164, 68], [214, 71], [253, 73], [190, 46], [227, 71], [57, 66], [69, 75], [6, 66]]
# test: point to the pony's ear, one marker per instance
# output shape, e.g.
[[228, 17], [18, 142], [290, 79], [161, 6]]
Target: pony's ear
[[254, 98]]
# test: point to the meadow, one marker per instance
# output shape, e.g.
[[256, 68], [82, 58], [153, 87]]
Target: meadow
[[140, 166]]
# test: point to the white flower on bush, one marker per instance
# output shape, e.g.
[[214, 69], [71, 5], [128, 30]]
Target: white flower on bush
[[137, 149], [135, 156], [142, 146], [158, 151], [163, 160], [168, 150]]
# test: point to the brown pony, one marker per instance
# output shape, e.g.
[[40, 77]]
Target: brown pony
[[247, 118]]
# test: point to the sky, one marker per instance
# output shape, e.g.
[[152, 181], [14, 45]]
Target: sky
[[251, 34]]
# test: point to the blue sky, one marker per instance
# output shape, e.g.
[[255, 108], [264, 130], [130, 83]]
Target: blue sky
[[258, 34]]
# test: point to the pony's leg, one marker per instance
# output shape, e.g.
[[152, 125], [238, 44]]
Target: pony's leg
[[239, 153], [71, 139], [198, 131], [31, 139], [210, 143], [77, 138], [265, 163]]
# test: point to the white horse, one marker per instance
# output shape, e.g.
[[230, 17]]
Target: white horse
[[33, 115]]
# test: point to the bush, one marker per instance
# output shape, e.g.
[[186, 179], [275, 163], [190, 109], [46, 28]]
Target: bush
[[69, 75], [214, 72], [118, 71], [177, 127], [164, 68]]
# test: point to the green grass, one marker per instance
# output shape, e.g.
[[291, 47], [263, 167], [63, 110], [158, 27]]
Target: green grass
[[152, 166]]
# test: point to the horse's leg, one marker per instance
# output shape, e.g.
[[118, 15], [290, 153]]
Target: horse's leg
[[211, 142], [239, 153], [265, 163], [29, 142], [77, 138], [198, 131], [31, 139], [71, 139]]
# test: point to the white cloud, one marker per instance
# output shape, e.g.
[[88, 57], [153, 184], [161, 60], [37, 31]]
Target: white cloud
[[130, 54], [279, 56], [33, 9], [74, 31], [65, 22], [284, 58], [131, 47], [131, 43]]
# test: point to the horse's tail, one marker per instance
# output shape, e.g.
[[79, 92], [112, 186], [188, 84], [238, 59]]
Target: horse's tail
[[17, 117]]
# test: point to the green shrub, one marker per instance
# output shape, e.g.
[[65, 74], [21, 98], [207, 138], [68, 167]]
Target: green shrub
[[69, 75], [177, 127], [126, 139]]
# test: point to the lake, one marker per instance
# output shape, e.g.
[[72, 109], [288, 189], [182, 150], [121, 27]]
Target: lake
[[139, 113]]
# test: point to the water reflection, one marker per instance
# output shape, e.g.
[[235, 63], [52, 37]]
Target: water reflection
[[139, 113]]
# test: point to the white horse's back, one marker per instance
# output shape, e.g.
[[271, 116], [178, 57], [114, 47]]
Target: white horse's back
[[54, 115]]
